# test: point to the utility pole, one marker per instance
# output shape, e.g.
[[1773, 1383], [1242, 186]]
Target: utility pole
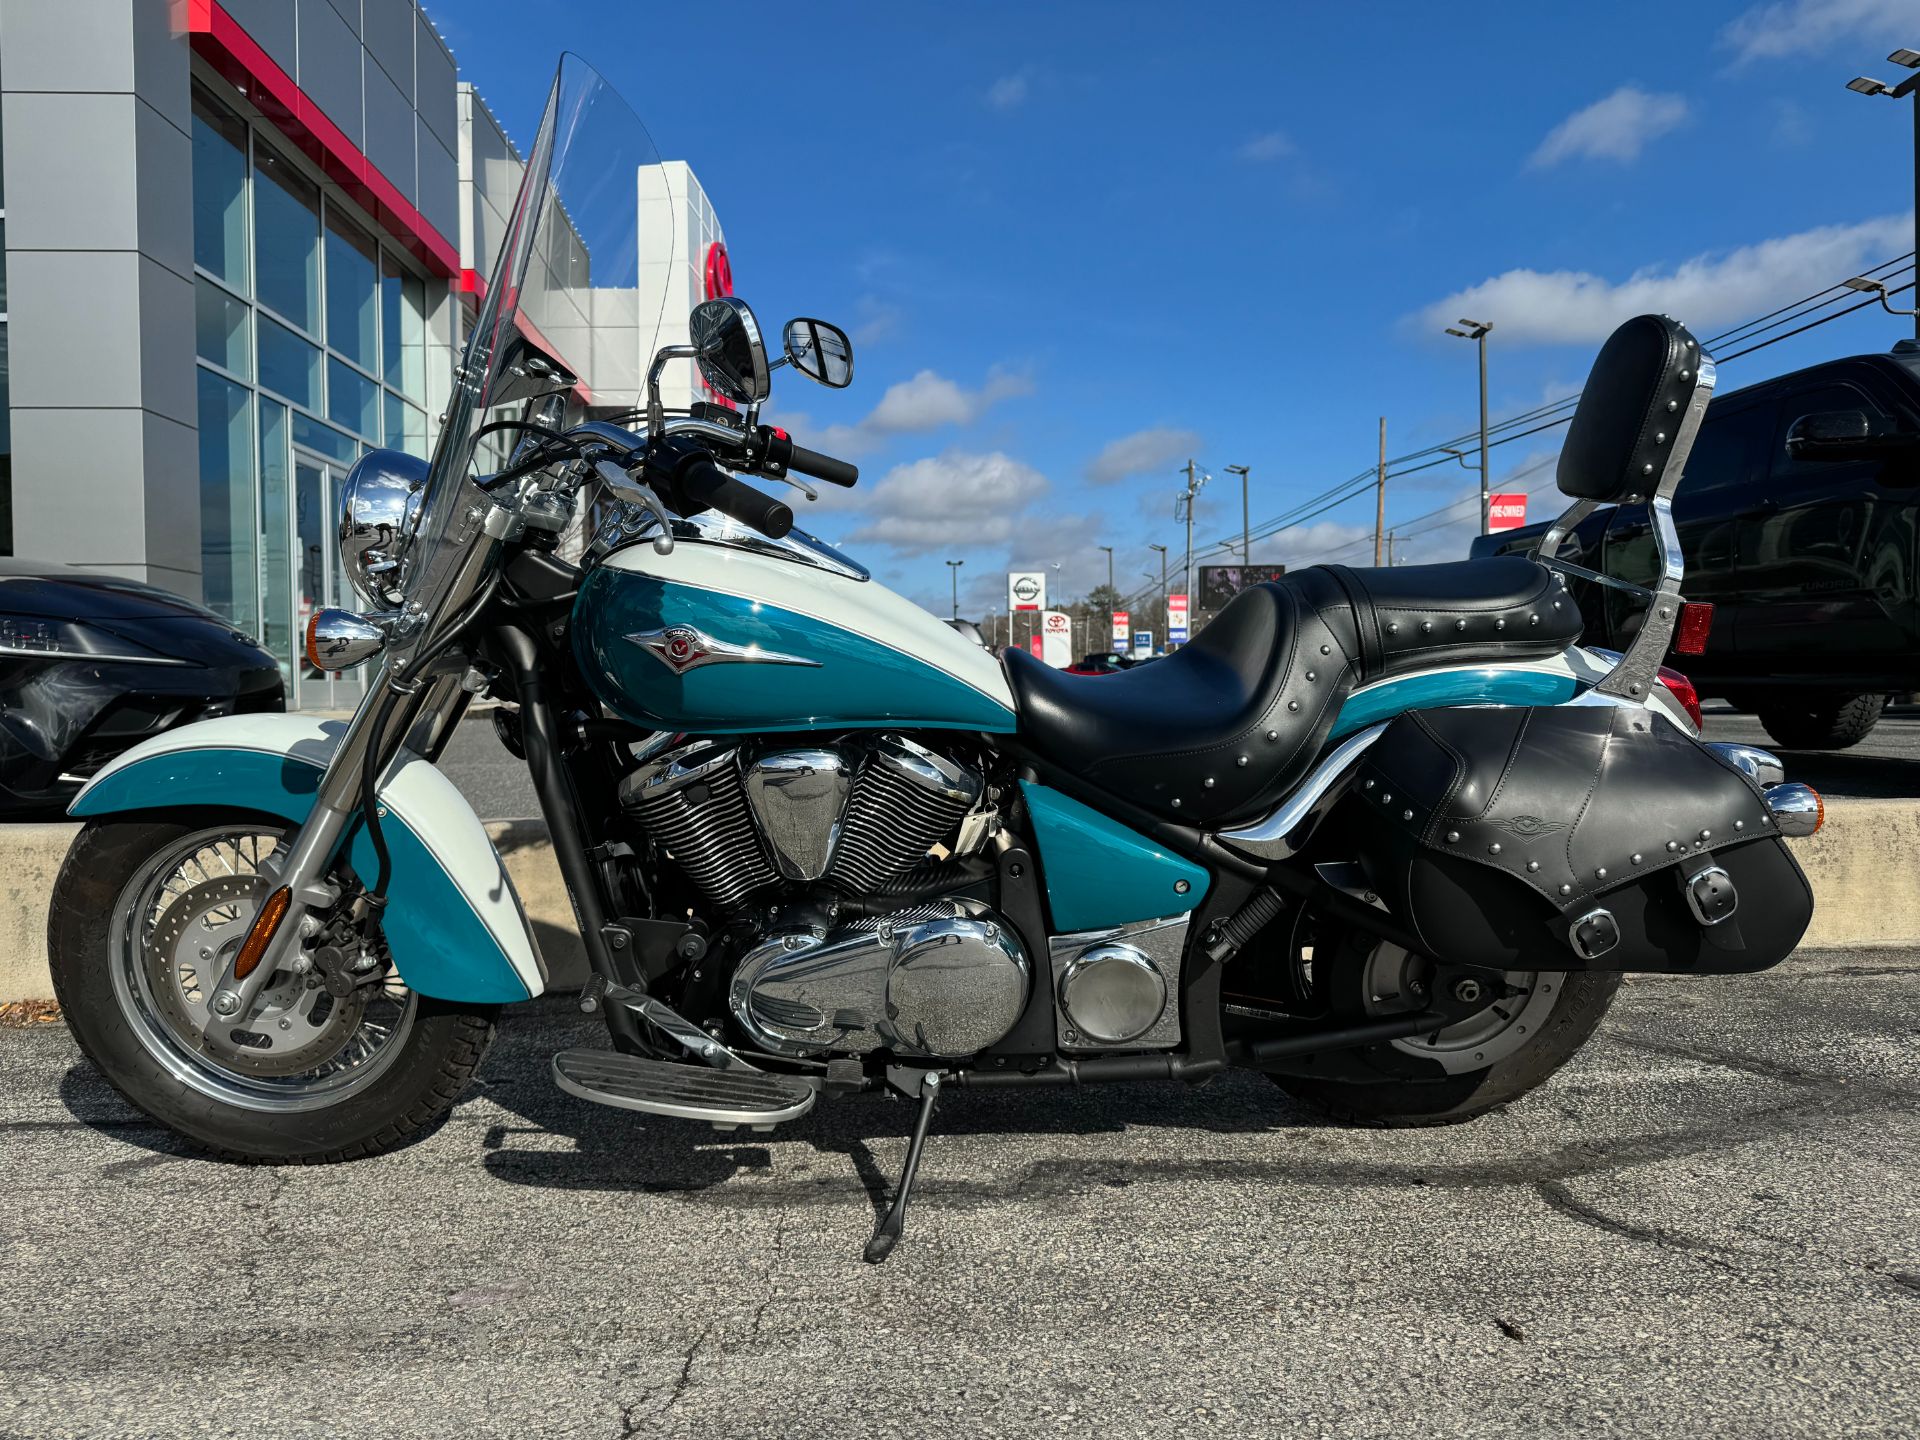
[[1193, 489], [1109, 550], [1246, 526], [1863, 85], [953, 569], [1380, 494], [1389, 549], [1163, 586], [1478, 330]]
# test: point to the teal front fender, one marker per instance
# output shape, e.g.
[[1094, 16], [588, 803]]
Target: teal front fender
[[455, 925]]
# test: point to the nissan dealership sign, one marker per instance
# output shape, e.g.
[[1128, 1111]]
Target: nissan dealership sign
[[1026, 590]]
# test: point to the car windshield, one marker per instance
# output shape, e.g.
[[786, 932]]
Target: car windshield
[[593, 199]]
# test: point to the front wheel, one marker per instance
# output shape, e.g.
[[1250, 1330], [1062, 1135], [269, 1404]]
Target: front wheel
[[147, 913], [1533, 1023]]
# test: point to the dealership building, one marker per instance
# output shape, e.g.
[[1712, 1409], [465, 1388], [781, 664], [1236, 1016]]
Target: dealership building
[[244, 240]]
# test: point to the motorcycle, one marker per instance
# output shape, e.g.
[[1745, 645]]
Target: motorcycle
[[1390, 837]]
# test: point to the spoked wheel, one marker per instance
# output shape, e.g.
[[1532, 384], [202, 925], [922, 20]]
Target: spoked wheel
[[177, 926], [146, 918], [1515, 1028]]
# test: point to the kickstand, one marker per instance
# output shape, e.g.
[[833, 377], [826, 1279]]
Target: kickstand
[[888, 1234]]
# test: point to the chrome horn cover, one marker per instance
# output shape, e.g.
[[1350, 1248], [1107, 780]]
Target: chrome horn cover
[[379, 506]]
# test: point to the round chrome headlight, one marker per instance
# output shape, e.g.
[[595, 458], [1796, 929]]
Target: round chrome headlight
[[379, 505]]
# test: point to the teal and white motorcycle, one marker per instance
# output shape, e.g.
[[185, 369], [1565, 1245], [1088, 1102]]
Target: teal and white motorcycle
[[1388, 836]]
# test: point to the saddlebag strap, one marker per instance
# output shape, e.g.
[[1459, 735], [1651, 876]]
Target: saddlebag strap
[[1710, 895]]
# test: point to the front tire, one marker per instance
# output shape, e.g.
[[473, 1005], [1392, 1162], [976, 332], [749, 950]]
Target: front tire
[[137, 902]]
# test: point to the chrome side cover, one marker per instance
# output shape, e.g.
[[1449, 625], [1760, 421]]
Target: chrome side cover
[[798, 799], [1119, 988]]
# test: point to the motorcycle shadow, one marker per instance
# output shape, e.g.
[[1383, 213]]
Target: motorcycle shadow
[[572, 1144]]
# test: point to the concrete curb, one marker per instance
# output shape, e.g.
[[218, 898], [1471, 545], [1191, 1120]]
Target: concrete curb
[[1864, 866]]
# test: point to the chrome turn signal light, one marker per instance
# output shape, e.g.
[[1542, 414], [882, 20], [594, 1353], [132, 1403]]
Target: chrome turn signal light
[[340, 639], [1796, 809]]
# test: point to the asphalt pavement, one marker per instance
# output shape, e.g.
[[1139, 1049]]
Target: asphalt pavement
[[1708, 1225]]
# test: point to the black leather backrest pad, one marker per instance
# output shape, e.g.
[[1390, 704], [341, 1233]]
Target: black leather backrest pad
[[1641, 384]]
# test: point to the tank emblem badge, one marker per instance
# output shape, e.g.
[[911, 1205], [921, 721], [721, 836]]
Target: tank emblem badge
[[1529, 826], [682, 648]]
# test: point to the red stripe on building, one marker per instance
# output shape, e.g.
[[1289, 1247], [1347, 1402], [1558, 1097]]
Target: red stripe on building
[[219, 39]]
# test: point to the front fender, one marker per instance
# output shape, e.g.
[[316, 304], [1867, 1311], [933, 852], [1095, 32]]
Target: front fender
[[455, 925]]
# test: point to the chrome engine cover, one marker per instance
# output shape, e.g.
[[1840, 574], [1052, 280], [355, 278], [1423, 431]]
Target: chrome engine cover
[[1119, 989], [943, 979]]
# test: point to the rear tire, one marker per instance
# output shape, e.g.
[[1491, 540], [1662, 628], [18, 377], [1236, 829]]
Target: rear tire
[[434, 1052], [1821, 723]]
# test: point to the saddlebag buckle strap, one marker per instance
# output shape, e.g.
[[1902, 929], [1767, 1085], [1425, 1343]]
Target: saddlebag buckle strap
[[1711, 896], [1594, 933]]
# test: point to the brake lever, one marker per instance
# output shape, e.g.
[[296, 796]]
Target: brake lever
[[785, 479], [641, 495]]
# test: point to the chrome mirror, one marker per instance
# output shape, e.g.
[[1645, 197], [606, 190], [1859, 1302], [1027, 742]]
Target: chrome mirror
[[821, 352], [379, 504], [728, 349]]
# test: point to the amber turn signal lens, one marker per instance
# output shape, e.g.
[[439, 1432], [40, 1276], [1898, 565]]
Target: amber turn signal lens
[[261, 935], [313, 654]]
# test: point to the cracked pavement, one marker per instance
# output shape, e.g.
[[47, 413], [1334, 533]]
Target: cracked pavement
[[1709, 1223]]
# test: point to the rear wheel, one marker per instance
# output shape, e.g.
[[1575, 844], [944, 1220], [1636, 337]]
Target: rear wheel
[[1532, 1023], [1827, 722], [146, 916]]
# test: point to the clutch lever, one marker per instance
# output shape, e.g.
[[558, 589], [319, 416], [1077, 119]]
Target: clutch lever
[[621, 484]]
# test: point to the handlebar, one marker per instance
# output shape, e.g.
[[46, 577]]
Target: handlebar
[[703, 482], [782, 451]]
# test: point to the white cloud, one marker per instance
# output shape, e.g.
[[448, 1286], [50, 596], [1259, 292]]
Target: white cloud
[[1787, 28], [928, 401], [1273, 145], [1707, 292], [1009, 92], [1141, 453], [1616, 128], [952, 501]]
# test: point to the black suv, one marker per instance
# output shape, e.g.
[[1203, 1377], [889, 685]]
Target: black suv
[[1799, 519]]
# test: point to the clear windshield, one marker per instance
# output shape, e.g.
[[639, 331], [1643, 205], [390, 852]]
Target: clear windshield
[[568, 286]]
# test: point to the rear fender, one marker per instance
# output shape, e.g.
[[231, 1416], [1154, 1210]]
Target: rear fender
[[453, 921]]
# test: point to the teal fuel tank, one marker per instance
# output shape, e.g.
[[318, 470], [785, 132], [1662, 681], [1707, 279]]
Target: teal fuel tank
[[715, 637]]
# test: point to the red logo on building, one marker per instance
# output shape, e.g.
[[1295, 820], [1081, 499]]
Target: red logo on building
[[719, 271]]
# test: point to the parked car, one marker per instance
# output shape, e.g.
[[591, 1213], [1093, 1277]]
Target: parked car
[[1101, 662], [91, 664], [1799, 519]]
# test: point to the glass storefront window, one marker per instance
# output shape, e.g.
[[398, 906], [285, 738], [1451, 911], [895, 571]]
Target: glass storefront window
[[219, 190], [227, 526], [6, 444], [405, 427], [352, 291], [403, 340], [352, 399], [276, 575], [310, 434], [286, 210], [289, 366], [220, 328]]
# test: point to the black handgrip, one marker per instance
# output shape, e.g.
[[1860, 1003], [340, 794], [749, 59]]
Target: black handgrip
[[783, 452], [823, 467], [704, 483]]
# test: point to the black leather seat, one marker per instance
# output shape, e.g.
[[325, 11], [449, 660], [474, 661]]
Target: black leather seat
[[1221, 730]]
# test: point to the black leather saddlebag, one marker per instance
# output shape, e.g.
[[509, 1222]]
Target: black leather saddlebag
[[1593, 837]]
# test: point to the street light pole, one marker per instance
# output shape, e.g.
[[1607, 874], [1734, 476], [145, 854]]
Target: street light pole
[[1380, 494], [953, 569], [1478, 330], [1864, 85], [1193, 488], [1109, 550], [1163, 586], [1246, 526]]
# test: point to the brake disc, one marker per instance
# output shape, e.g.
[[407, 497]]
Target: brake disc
[[295, 1026]]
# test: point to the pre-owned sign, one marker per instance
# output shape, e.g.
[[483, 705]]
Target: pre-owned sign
[[1176, 619], [1026, 590], [1506, 512]]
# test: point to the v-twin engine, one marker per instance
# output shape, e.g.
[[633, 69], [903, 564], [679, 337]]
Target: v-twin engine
[[805, 831]]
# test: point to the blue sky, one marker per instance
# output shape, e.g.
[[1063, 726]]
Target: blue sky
[[1076, 243]]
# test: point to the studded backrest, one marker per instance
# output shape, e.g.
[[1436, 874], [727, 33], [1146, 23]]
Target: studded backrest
[[1638, 414]]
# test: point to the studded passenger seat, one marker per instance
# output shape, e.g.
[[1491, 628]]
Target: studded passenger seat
[[1221, 731]]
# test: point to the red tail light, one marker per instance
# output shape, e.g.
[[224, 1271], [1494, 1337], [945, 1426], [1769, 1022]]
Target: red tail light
[[1690, 634], [1682, 690]]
